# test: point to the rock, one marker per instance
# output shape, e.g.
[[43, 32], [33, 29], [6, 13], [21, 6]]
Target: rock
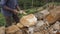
[[28, 20], [41, 32], [54, 28], [40, 23], [42, 14], [56, 25], [46, 32], [50, 30], [39, 15], [30, 30], [37, 33], [20, 25], [50, 19], [19, 32], [54, 32], [53, 16], [12, 29], [45, 12], [57, 32], [2, 30]]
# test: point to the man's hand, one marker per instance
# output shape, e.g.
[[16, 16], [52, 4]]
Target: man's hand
[[22, 12], [15, 11]]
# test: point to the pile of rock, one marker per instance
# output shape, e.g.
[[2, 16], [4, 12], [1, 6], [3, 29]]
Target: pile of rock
[[43, 22], [24, 26], [13, 30], [48, 24]]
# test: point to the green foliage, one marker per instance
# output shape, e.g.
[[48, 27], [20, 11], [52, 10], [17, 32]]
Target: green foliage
[[25, 4], [2, 20], [30, 11]]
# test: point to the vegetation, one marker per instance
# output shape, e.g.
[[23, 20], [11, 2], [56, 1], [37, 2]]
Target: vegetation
[[2, 20], [25, 4]]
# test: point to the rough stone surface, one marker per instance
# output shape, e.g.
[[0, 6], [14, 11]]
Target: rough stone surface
[[28, 20], [2, 30], [12, 29], [19, 25]]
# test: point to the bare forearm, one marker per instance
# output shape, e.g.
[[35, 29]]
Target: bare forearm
[[7, 8]]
